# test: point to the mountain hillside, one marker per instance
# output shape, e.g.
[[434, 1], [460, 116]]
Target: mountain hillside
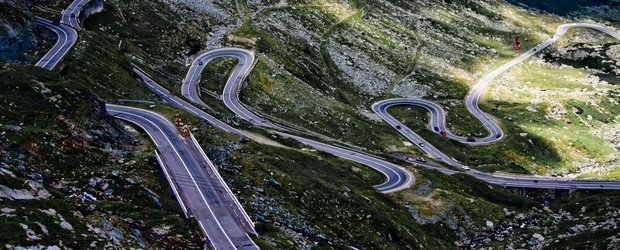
[[71, 175]]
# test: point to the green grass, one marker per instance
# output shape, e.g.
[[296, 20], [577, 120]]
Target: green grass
[[345, 195], [575, 137]]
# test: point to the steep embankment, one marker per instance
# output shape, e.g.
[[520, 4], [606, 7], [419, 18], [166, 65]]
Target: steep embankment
[[16, 32], [71, 176]]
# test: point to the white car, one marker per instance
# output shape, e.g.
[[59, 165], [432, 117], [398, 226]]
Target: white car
[[465, 167]]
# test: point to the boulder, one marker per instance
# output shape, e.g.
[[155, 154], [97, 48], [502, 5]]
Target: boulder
[[489, 224], [579, 228], [538, 237]]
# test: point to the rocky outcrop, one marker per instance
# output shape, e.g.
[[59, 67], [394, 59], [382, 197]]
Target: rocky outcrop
[[410, 88], [16, 35], [368, 75], [35, 192]]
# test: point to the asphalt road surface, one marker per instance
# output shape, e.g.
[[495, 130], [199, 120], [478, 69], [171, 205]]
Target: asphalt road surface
[[397, 178], [66, 32], [175, 101], [232, 88], [66, 39], [438, 122], [71, 15], [194, 179], [201, 191], [524, 181]]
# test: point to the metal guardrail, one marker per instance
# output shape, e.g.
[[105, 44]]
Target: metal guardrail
[[136, 101]]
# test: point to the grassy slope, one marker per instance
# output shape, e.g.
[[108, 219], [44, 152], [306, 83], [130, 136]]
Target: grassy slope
[[337, 107], [101, 67], [576, 138]]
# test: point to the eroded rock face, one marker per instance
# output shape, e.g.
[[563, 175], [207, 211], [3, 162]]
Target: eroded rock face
[[209, 7], [613, 52], [410, 88], [23, 194], [366, 74], [16, 35]]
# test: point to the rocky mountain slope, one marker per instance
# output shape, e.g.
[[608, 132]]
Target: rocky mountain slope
[[16, 31], [72, 177], [320, 66]]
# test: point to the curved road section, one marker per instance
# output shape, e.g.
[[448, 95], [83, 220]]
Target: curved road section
[[438, 122], [184, 105], [66, 39], [194, 180], [66, 34], [232, 87], [71, 15], [438, 115], [397, 178]]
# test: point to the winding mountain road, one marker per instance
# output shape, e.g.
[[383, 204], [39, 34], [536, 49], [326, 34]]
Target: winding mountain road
[[397, 177], [438, 123], [198, 187], [67, 37], [203, 193], [71, 15], [438, 117], [66, 33], [189, 89]]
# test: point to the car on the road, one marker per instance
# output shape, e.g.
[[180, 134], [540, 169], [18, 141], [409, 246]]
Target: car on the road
[[498, 135], [436, 129], [199, 62], [420, 159], [72, 15], [421, 144], [398, 127], [56, 23], [470, 139], [465, 168]]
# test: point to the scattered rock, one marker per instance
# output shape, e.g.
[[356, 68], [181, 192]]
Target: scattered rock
[[538, 237], [7, 210], [43, 228], [489, 224], [65, 225], [273, 183], [579, 228]]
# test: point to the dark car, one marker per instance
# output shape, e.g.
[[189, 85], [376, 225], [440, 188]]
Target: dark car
[[498, 135], [436, 129], [471, 139], [397, 126], [72, 15], [420, 159], [199, 62], [421, 144]]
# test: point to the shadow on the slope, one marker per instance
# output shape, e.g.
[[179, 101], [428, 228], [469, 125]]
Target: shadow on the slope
[[499, 156]]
